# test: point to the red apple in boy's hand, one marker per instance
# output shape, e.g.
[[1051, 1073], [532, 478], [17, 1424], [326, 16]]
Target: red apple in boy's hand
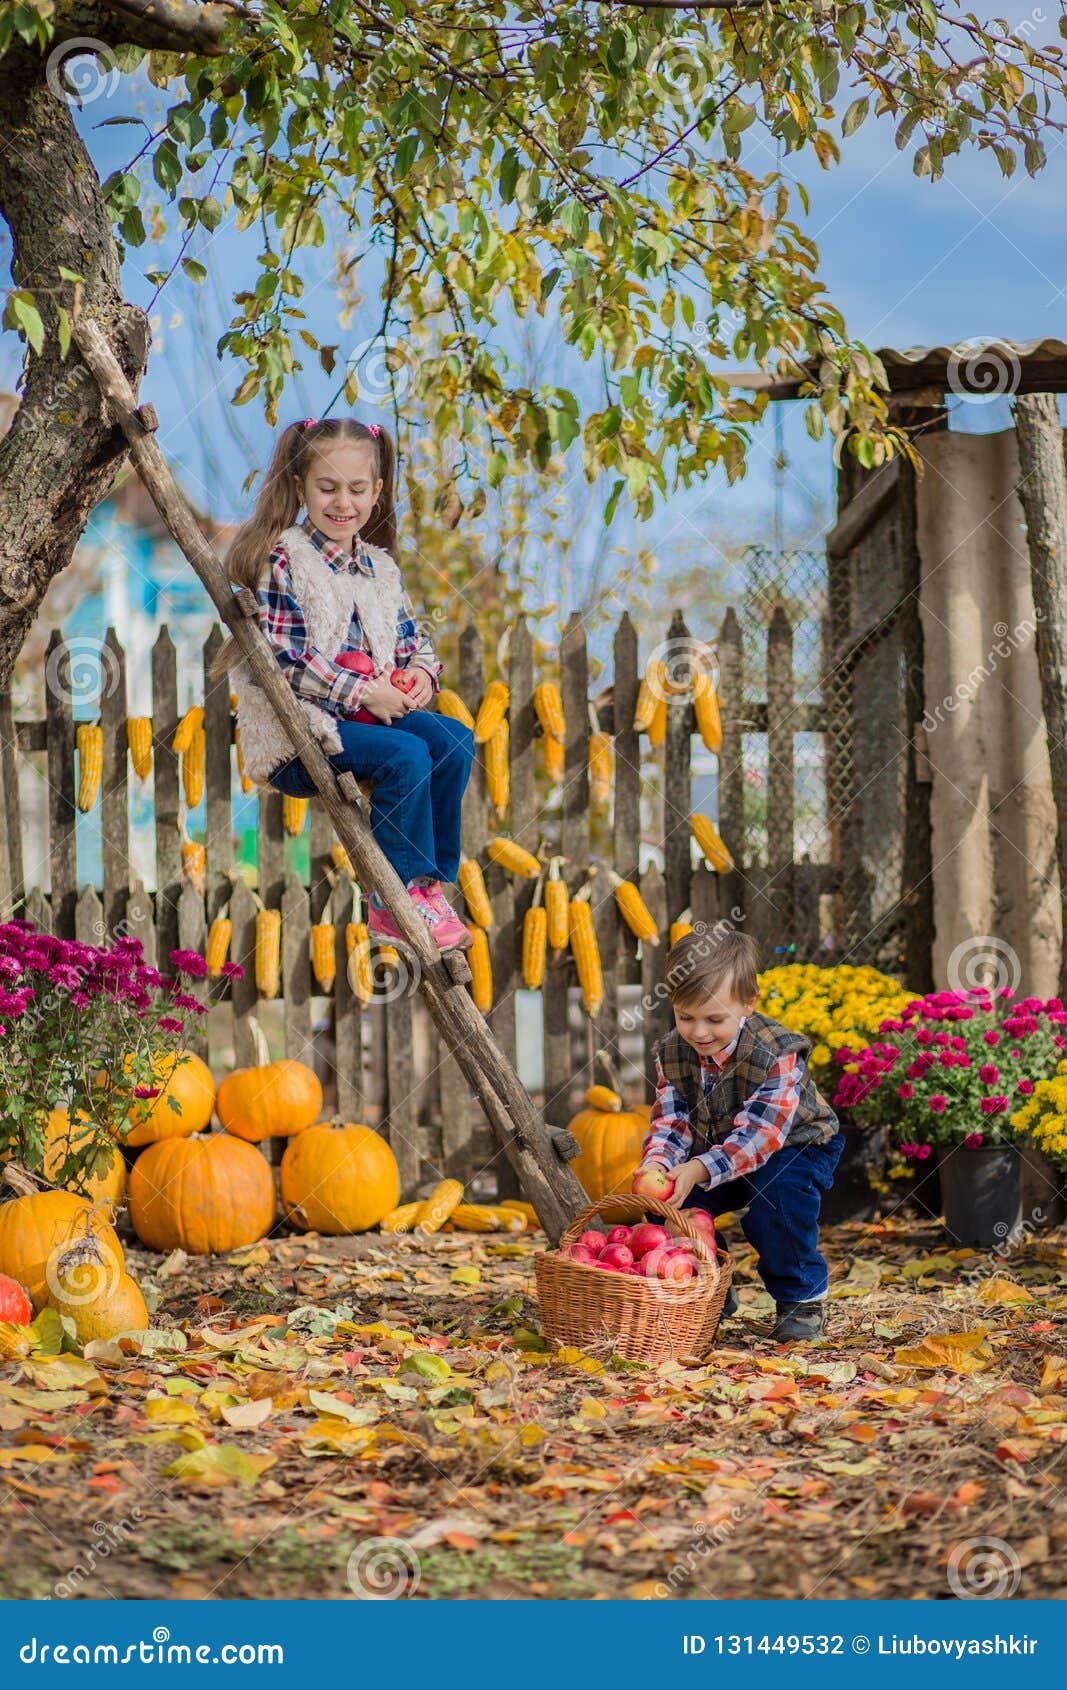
[[616, 1256], [619, 1235], [593, 1241], [653, 1181], [647, 1236]]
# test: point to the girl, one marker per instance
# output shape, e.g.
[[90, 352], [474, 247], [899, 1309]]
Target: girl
[[333, 605]]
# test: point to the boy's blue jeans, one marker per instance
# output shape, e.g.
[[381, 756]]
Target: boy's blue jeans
[[420, 765], [782, 1223]]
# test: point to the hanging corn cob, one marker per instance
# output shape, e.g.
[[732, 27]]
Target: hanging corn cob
[[360, 972], [268, 952], [586, 954], [497, 773], [657, 728], [711, 843], [323, 953], [534, 946], [218, 944], [491, 711], [481, 971], [439, 1206], [549, 707], [556, 900], [450, 704], [472, 885], [401, 1219], [193, 768], [246, 783], [600, 762], [514, 857], [706, 710], [340, 859], [294, 815], [635, 912], [680, 927], [649, 694], [555, 757], [139, 740], [486, 1217], [187, 727], [194, 862], [89, 740], [388, 956]]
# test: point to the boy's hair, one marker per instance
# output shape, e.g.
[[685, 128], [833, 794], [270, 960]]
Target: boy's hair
[[278, 506], [707, 960]]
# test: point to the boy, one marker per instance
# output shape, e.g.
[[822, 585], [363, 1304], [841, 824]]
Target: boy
[[738, 1119]]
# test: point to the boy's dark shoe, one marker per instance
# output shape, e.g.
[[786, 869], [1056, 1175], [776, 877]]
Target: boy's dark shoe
[[797, 1321], [731, 1303]]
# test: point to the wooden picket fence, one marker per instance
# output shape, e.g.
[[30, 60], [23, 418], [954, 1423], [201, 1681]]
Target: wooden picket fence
[[382, 1063]]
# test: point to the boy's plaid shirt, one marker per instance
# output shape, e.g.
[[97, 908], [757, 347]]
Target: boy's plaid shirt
[[308, 671], [759, 1128]]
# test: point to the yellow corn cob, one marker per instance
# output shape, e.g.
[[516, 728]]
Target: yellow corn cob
[[341, 860], [706, 709], [491, 711], [294, 815], [388, 956], [586, 955], [555, 758], [534, 946], [710, 842], [233, 701], [89, 740], [556, 899], [450, 704], [497, 774], [351, 935], [526, 1210], [360, 972], [549, 707], [218, 944], [268, 952], [635, 912], [439, 1206], [649, 695], [401, 1219], [486, 1217], [193, 768], [194, 862], [514, 857], [246, 783], [472, 885], [679, 929], [657, 728], [323, 962], [139, 740], [600, 763], [481, 971], [187, 728], [605, 1100]]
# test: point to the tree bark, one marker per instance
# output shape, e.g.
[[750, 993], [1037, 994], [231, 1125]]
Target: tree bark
[[1043, 491]]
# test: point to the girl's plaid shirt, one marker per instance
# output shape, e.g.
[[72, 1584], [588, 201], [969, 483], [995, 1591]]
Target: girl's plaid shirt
[[759, 1127], [309, 673]]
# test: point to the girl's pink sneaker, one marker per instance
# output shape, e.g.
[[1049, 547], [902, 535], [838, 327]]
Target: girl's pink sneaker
[[448, 932], [381, 924]]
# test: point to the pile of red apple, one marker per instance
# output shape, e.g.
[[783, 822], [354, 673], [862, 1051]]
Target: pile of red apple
[[645, 1251]]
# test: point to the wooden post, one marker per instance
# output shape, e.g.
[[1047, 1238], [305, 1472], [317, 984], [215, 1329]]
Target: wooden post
[[1043, 492], [543, 1173]]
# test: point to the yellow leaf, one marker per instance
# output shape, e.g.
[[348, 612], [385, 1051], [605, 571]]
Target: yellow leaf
[[531, 1434], [1003, 1291], [169, 1411], [467, 1275], [246, 1416], [956, 1351], [32, 1452], [651, 1590], [592, 1409], [218, 1465], [1054, 1373]]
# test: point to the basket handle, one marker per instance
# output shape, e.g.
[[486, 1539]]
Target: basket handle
[[621, 1206]]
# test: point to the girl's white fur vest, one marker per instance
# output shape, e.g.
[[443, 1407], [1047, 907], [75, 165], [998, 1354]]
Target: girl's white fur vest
[[327, 598]]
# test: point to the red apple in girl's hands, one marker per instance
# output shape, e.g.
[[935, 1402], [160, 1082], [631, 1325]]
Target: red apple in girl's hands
[[619, 1235], [647, 1236], [593, 1242], [615, 1256], [15, 1305], [404, 679], [653, 1181]]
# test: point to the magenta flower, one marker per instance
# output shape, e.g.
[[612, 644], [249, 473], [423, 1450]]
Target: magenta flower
[[972, 1141], [990, 1037], [905, 1091], [923, 1151], [938, 1103], [1025, 1087], [989, 1074], [924, 1036], [189, 962]]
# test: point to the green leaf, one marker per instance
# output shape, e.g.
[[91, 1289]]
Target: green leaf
[[29, 320], [509, 175], [194, 269], [855, 115]]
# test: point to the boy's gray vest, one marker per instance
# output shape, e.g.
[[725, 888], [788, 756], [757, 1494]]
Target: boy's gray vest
[[712, 1108], [327, 598]]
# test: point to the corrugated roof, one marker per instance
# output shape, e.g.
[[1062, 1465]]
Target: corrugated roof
[[1032, 366]]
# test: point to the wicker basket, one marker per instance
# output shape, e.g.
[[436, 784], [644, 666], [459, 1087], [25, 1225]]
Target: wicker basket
[[614, 1313]]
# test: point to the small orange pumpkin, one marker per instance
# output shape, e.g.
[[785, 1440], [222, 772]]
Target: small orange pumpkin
[[273, 1100], [339, 1177], [120, 1310], [206, 1194], [36, 1230], [185, 1078], [611, 1138], [107, 1181]]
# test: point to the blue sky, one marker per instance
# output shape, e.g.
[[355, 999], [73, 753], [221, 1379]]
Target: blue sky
[[908, 261]]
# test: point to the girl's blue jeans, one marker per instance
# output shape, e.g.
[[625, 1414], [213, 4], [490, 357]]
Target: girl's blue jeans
[[420, 765], [782, 1224]]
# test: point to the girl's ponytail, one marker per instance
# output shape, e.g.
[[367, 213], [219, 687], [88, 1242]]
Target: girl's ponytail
[[278, 506]]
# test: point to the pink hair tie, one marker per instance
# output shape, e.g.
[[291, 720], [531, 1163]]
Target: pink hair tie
[[308, 422], [375, 429]]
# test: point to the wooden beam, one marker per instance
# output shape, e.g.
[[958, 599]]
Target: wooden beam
[[864, 509], [543, 1174]]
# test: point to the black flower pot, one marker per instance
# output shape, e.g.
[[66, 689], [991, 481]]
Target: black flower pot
[[924, 1195], [851, 1197], [983, 1193]]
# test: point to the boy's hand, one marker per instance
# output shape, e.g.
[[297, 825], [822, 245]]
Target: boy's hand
[[419, 691], [686, 1176]]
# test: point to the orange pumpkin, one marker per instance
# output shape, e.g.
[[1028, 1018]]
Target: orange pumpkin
[[339, 1177], [611, 1138], [117, 1307], [274, 1100], [37, 1231], [107, 1181], [184, 1078], [205, 1194]]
